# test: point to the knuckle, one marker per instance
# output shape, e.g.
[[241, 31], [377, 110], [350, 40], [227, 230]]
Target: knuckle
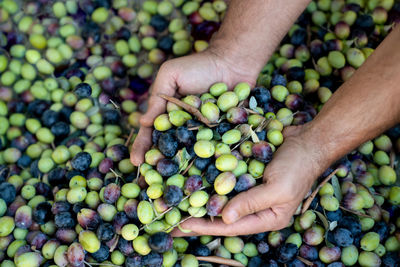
[[166, 67], [250, 206], [143, 119], [134, 160], [146, 121]]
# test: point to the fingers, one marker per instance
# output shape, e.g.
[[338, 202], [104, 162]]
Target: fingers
[[266, 220], [141, 145], [156, 106], [164, 84], [254, 200]]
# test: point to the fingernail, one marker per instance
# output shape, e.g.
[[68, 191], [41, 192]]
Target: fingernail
[[232, 216]]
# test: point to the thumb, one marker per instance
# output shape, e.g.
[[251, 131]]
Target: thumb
[[165, 83], [141, 145], [254, 200]]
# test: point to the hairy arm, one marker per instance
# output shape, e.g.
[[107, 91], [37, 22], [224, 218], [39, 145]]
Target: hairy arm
[[252, 30], [363, 107]]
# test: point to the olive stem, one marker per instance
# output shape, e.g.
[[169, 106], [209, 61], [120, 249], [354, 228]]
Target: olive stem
[[98, 264], [315, 192], [188, 167], [138, 172], [156, 218], [184, 220], [251, 111], [308, 35], [194, 128], [392, 158], [303, 260], [178, 223], [189, 109], [114, 104], [117, 176], [152, 205], [129, 137], [355, 212], [220, 260], [260, 127]]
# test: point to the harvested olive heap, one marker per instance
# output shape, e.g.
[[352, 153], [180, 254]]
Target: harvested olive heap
[[73, 79], [227, 157]]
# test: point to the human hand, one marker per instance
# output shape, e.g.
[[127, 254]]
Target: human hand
[[192, 74], [269, 206]]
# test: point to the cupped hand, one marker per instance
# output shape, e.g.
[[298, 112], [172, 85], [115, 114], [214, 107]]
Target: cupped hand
[[192, 74], [269, 206]]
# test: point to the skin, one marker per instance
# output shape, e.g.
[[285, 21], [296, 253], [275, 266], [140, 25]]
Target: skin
[[348, 119]]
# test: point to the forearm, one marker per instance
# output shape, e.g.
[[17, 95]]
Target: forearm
[[252, 29], [363, 107]]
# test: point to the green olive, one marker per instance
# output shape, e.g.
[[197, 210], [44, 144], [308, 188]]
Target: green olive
[[6, 225], [226, 162], [227, 100], [231, 137], [162, 123], [204, 149]]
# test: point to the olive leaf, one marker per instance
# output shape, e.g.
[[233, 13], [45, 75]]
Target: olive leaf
[[216, 136], [336, 188], [214, 244], [113, 242], [326, 225], [323, 219], [332, 225], [223, 117], [254, 136], [182, 158], [253, 103]]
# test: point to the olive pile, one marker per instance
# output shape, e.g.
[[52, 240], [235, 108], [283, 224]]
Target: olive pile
[[353, 219], [73, 76], [227, 159], [224, 159]]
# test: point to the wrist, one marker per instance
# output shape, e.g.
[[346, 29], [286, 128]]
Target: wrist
[[236, 56], [322, 150], [234, 66]]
